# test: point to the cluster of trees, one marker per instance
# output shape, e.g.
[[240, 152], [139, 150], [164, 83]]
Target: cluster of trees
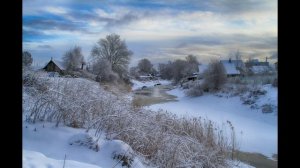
[[144, 67], [179, 69], [110, 59], [176, 70], [214, 78]]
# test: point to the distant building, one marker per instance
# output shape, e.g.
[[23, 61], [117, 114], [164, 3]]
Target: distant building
[[54, 66], [256, 62], [258, 67]]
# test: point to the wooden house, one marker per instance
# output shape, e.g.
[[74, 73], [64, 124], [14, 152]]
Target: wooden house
[[54, 66]]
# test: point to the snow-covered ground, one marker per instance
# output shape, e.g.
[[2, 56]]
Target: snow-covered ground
[[45, 145], [255, 131], [33, 159], [139, 84], [48, 145]]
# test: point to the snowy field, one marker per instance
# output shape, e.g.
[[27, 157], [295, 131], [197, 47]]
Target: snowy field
[[256, 131], [47, 146]]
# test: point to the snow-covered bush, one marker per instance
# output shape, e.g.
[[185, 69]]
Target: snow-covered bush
[[267, 108], [103, 69], [84, 139], [195, 90], [71, 101], [167, 141], [124, 159], [35, 79]]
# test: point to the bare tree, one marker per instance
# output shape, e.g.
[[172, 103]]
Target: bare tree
[[114, 50], [145, 66], [73, 59], [238, 55], [27, 59], [192, 59], [180, 70], [192, 63], [214, 76], [165, 70]]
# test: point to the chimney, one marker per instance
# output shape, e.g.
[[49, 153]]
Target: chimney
[[229, 60], [266, 59]]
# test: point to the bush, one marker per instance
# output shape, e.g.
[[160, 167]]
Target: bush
[[195, 90], [215, 76], [124, 159], [35, 80], [241, 89], [84, 139], [267, 108]]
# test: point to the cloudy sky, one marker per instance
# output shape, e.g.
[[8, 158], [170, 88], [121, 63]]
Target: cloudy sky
[[159, 30]]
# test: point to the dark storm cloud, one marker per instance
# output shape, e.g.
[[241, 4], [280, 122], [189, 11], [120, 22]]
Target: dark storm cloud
[[126, 19], [221, 39], [236, 6], [46, 24]]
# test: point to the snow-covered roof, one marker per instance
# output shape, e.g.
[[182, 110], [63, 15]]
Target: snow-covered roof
[[230, 66], [58, 63]]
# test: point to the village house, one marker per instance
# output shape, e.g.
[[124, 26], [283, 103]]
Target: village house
[[233, 67], [257, 67], [54, 66]]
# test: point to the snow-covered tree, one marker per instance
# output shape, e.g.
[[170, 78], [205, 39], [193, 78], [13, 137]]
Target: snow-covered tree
[[145, 66], [114, 50], [73, 59], [27, 59], [214, 76]]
